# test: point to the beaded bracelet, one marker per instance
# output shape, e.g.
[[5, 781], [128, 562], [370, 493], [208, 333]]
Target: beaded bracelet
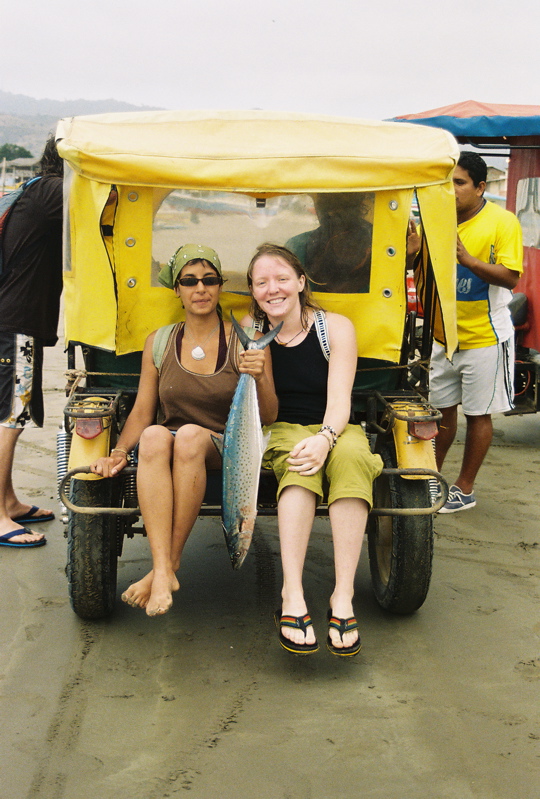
[[332, 433], [328, 436]]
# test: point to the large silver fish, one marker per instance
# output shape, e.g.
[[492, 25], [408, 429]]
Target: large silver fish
[[242, 448]]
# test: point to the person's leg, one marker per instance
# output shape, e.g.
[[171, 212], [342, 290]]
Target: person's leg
[[348, 518], [296, 511], [446, 435], [477, 442], [487, 388], [193, 453], [21, 405], [8, 440], [154, 479], [351, 469], [445, 394], [173, 470]]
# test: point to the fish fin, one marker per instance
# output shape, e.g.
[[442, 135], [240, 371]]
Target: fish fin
[[266, 440], [254, 344], [218, 443], [263, 342], [245, 340]]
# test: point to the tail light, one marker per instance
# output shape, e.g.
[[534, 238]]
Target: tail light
[[424, 430], [89, 428]]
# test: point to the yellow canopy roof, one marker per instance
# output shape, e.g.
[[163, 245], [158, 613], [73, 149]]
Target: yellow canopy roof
[[254, 151], [110, 301]]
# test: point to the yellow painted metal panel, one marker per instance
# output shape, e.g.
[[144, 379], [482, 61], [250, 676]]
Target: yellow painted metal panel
[[412, 452]]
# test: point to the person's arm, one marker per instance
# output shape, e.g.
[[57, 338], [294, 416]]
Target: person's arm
[[142, 415], [494, 274], [413, 243], [309, 455]]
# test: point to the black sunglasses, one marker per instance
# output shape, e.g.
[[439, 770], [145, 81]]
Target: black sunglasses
[[207, 280]]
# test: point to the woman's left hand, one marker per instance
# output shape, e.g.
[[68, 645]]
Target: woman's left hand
[[251, 362], [309, 455]]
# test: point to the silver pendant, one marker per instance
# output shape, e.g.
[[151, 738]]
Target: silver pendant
[[197, 353]]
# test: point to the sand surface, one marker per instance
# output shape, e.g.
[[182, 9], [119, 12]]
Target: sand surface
[[443, 704]]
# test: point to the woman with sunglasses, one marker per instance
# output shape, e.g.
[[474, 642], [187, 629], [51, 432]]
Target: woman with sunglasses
[[188, 379], [313, 449]]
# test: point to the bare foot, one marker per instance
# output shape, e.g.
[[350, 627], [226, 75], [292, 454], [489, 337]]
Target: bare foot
[[138, 594], [20, 512], [26, 536], [297, 636], [163, 586], [342, 610]]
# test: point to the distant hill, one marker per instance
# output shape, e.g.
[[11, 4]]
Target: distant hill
[[28, 122], [21, 105]]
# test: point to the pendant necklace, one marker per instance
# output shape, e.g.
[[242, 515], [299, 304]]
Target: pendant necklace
[[197, 353], [286, 343]]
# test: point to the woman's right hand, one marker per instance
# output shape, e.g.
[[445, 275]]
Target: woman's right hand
[[109, 466], [308, 456]]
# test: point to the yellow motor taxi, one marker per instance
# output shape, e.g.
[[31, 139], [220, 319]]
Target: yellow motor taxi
[[337, 191]]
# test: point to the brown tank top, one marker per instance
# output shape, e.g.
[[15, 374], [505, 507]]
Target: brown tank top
[[188, 398]]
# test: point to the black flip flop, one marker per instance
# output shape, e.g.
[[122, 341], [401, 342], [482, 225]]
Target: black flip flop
[[298, 623], [343, 626]]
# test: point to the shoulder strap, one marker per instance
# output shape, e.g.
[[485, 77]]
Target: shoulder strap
[[10, 198], [322, 332], [160, 342], [320, 326]]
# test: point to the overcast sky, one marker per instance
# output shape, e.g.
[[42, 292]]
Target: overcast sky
[[343, 57]]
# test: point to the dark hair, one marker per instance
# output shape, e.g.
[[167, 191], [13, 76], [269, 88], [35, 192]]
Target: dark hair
[[275, 250], [474, 165], [51, 163]]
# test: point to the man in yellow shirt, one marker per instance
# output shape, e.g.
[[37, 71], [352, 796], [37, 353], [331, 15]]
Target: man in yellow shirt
[[480, 376]]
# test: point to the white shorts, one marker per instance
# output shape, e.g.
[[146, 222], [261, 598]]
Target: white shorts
[[481, 380]]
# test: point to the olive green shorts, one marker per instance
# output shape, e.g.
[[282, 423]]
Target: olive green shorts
[[349, 470]]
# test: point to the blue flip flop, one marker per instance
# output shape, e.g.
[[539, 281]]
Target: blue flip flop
[[5, 539], [28, 518]]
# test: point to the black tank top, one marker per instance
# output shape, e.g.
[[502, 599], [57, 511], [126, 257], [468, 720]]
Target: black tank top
[[301, 380]]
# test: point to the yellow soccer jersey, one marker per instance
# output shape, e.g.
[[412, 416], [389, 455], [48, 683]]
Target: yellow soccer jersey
[[494, 237]]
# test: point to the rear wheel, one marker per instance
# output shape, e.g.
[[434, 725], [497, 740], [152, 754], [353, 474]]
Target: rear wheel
[[93, 548], [400, 547]]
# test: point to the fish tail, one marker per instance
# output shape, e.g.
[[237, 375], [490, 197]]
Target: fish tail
[[218, 443], [254, 344]]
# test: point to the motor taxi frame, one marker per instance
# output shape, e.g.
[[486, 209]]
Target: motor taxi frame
[[122, 171]]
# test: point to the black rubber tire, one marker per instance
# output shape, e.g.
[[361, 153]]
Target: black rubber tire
[[92, 550], [400, 547]]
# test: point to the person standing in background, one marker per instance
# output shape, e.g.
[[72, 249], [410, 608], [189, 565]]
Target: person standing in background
[[30, 289], [480, 375]]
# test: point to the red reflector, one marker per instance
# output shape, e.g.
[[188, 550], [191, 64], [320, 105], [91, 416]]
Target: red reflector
[[89, 428], [423, 430]]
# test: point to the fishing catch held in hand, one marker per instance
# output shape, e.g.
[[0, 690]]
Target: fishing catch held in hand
[[242, 448]]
